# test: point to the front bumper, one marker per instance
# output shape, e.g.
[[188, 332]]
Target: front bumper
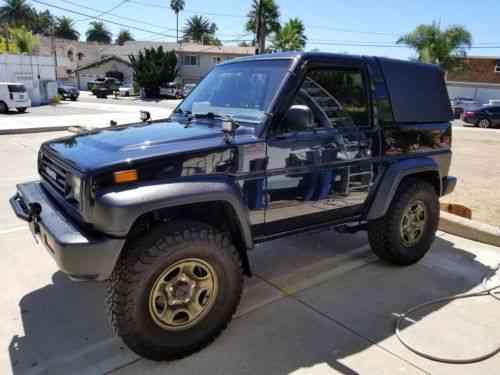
[[449, 184], [79, 254]]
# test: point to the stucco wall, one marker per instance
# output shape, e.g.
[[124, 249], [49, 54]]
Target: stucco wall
[[33, 71]]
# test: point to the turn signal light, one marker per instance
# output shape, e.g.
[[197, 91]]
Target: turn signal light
[[122, 177]]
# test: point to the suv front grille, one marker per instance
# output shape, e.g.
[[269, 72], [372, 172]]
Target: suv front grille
[[55, 174]]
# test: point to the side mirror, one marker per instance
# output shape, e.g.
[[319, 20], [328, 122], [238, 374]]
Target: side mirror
[[299, 117]]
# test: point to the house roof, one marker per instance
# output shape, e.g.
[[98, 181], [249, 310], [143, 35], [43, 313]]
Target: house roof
[[103, 61], [132, 48]]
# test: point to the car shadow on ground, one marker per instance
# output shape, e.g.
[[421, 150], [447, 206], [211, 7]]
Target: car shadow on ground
[[65, 317]]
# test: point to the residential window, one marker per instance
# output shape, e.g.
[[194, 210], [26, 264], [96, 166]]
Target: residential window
[[216, 60], [190, 60], [497, 66]]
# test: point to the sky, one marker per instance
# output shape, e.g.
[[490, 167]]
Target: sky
[[357, 26]]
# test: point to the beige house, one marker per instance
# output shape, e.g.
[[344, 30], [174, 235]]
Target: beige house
[[80, 62]]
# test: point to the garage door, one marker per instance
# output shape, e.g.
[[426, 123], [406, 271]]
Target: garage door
[[461, 91]]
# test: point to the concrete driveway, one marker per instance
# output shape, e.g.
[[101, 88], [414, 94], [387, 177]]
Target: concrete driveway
[[319, 303]]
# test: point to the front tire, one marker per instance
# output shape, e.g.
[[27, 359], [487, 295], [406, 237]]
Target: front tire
[[175, 290], [405, 234], [22, 109]]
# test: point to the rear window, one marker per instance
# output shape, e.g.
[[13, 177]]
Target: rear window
[[17, 88]]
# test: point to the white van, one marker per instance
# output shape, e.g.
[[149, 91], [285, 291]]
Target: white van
[[13, 96]]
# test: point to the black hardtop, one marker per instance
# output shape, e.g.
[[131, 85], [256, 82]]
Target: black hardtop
[[417, 91]]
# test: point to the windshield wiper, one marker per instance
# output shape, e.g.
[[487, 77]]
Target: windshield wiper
[[182, 112]]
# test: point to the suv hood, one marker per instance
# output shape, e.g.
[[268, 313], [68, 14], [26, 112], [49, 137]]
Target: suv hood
[[98, 150]]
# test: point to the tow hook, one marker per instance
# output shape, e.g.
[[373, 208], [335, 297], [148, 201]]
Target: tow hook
[[35, 209]]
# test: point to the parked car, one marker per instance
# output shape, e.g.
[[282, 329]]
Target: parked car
[[460, 105], [266, 147], [188, 88], [486, 117], [68, 92], [13, 96], [126, 91], [92, 84], [171, 90], [107, 87], [493, 102]]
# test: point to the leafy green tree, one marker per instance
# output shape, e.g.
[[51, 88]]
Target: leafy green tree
[[445, 48], [98, 33], [270, 14], [177, 6], [23, 39], [199, 29], [291, 37], [65, 29], [153, 68], [16, 13], [123, 37], [7, 46]]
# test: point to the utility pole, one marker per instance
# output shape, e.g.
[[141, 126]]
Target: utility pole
[[54, 48], [260, 31]]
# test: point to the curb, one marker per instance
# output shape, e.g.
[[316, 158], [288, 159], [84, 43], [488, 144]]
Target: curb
[[34, 130], [473, 230]]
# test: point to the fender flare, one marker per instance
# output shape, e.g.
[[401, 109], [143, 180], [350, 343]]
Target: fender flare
[[116, 211], [391, 179]]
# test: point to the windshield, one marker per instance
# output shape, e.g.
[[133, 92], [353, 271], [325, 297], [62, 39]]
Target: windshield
[[17, 88], [242, 90]]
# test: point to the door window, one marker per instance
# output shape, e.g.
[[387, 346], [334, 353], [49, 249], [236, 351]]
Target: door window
[[339, 95]]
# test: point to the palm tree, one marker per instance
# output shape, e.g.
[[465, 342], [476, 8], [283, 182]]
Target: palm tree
[[200, 30], [177, 6], [43, 23], [270, 14], [98, 33], [65, 29], [16, 13], [435, 46], [123, 37], [291, 37]]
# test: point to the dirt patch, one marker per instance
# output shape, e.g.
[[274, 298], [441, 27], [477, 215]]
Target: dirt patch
[[476, 164]]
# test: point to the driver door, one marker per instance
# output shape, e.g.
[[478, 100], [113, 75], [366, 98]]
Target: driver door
[[321, 170]]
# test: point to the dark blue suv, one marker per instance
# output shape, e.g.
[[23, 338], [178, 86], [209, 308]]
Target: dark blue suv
[[264, 147]]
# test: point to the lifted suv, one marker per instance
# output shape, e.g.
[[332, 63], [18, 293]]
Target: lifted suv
[[264, 147]]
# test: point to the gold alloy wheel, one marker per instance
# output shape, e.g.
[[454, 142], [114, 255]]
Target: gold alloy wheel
[[413, 223], [183, 294]]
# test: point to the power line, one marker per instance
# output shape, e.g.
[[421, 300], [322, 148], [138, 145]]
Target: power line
[[107, 11], [102, 19], [153, 5], [119, 17]]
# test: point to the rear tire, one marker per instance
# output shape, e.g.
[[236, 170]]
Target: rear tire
[[3, 108], [146, 287], [405, 234]]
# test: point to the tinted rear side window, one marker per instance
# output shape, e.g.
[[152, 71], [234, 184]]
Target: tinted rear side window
[[17, 88]]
